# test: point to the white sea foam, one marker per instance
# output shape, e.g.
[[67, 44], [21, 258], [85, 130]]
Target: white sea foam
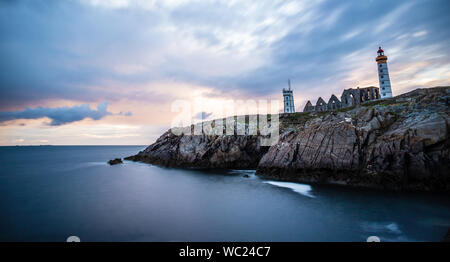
[[296, 187]]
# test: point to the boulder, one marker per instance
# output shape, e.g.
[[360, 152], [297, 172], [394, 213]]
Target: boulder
[[115, 161]]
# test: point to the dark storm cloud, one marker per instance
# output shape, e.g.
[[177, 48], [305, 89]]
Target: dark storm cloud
[[86, 52], [317, 58], [60, 115], [59, 49], [313, 53]]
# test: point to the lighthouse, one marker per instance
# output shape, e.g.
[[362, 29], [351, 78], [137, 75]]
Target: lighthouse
[[288, 99], [383, 74]]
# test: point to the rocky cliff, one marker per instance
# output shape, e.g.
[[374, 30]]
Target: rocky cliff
[[201, 151], [398, 143]]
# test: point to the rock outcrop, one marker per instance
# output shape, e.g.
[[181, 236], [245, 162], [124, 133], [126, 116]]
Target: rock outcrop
[[400, 143], [115, 161], [202, 151]]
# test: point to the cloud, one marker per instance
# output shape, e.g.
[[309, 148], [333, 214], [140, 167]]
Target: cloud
[[128, 113], [108, 50], [60, 115], [420, 33], [142, 54]]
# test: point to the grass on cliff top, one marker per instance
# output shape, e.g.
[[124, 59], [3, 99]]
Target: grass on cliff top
[[380, 102], [300, 118], [286, 120], [345, 109], [296, 117]]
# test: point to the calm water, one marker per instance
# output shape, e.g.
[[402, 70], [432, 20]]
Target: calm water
[[50, 193]]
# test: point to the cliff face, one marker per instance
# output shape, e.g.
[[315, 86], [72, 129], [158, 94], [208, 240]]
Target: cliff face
[[201, 151], [398, 143]]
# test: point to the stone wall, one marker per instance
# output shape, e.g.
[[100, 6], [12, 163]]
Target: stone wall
[[350, 97]]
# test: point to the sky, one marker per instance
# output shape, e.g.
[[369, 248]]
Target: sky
[[107, 72]]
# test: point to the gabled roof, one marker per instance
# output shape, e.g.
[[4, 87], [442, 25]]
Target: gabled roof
[[320, 101], [333, 98]]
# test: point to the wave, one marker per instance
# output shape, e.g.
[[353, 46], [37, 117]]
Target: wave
[[296, 187]]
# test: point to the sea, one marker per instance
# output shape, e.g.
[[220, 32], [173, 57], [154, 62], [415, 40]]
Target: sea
[[50, 193]]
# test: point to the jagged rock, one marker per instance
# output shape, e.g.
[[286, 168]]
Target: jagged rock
[[400, 146], [115, 161], [400, 143], [203, 151]]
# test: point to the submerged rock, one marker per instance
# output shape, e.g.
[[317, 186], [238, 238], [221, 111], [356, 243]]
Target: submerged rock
[[115, 161], [401, 143]]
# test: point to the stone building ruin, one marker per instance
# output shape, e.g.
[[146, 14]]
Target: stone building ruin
[[354, 97], [349, 97]]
